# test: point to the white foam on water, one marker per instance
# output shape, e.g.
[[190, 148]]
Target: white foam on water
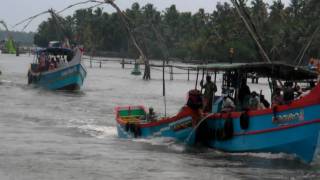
[[157, 141], [5, 81], [170, 143], [98, 131], [265, 155], [178, 147]]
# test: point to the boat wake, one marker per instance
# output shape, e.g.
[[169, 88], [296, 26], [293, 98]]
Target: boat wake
[[270, 156], [98, 131], [170, 143]]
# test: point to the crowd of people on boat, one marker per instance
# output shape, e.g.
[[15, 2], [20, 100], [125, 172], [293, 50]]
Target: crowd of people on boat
[[290, 92], [49, 63], [246, 99]]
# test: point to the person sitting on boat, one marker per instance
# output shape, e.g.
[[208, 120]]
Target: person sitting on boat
[[305, 91], [51, 65], [244, 95], [254, 102], [298, 91], [151, 116], [263, 101], [210, 89], [42, 63], [62, 62], [311, 64], [277, 98], [288, 92], [227, 104]]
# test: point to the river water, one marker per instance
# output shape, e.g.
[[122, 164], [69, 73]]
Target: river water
[[61, 135]]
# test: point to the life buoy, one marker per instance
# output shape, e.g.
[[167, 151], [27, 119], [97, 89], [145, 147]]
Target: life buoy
[[134, 129], [275, 111], [225, 132], [219, 134], [244, 120], [137, 131], [228, 128], [127, 127], [204, 133]]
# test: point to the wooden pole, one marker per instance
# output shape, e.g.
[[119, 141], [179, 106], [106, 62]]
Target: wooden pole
[[171, 73], [215, 77], [202, 79], [164, 89], [122, 16], [197, 78], [188, 74], [100, 64], [122, 63], [90, 61]]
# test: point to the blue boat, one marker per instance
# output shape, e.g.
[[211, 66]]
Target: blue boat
[[135, 122], [57, 68], [292, 127]]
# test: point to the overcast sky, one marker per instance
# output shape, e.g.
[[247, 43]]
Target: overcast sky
[[13, 11]]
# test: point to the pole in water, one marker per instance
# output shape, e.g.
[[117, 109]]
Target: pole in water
[[197, 78], [164, 89], [171, 73], [215, 77], [202, 79]]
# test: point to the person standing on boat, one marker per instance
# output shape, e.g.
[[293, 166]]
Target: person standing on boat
[[210, 89], [288, 92], [244, 95], [277, 98], [227, 104]]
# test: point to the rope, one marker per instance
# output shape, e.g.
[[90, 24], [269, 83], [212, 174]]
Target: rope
[[196, 127], [30, 19], [304, 50], [254, 36]]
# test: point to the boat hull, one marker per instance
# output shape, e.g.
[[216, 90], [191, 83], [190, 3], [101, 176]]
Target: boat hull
[[291, 129], [178, 128]]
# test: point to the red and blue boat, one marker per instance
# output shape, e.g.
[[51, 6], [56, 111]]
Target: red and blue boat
[[292, 127], [132, 122]]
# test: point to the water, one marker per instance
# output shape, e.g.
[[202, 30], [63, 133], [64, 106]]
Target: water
[[61, 135]]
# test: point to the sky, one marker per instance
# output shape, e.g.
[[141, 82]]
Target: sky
[[14, 11]]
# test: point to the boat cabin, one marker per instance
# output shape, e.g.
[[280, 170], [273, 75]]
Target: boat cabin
[[281, 78], [51, 58]]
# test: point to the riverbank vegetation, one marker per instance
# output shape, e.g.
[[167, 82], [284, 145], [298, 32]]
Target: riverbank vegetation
[[201, 35]]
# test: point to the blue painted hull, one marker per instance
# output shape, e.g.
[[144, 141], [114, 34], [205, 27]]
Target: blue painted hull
[[179, 129], [166, 130], [296, 133], [69, 78]]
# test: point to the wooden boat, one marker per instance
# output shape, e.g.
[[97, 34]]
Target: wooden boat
[[68, 73], [291, 128], [133, 122]]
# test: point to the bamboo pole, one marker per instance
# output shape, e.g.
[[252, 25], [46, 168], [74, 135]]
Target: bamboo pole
[[146, 75]]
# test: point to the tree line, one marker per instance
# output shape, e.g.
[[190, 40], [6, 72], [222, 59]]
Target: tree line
[[22, 38], [202, 36]]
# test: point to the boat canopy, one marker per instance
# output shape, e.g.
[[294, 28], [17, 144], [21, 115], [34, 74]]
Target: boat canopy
[[276, 70], [55, 51]]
